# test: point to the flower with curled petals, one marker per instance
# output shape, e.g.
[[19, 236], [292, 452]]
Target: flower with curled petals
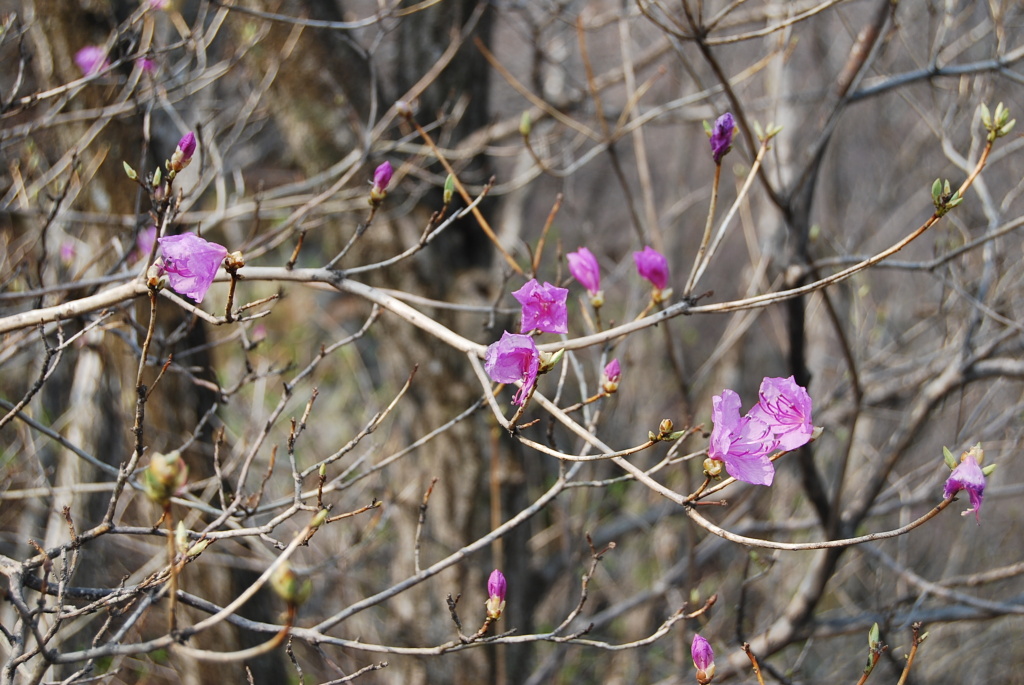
[[190, 263], [786, 407], [544, 307], [513, 358], [741, 443], [968, 476]]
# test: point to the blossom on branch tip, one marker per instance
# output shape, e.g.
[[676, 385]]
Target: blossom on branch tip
[[968, 476], [703, 659], [381, 180], [584, 268], [721, 136], [513, 358], [91, 59], [653, 266], [786, 407], [496, 588], [191, 263], [182, 156], [544, 307], [741, 443], [610, 377]]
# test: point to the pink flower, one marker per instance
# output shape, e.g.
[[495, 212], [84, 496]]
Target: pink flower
[[191, 263], [786, 408], [742, 443], [653, 266], [967, 476], [158, 4], [544, 307], [721, 136], [148, 65], [584, 268], [91, 59], [703, 659], [611, 376], [513, 358], [496, 587]]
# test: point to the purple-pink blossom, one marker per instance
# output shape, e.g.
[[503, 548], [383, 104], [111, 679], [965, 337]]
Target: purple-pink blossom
[[703, 659], [496, 588], [741, 443], [147, 64], [584, 268], [513, 358], [786, 407], [91, 59], [191, 263], [544, 307], [721, 136], [967, 476], [653, 266]]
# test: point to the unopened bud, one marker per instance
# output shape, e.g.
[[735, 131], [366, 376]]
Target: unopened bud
[[182, 156], [712, 467], [525, 124], [496, 589], [234, 261], [403, 108], [449, 189], [165, 476], [130, 172], [289, 586]]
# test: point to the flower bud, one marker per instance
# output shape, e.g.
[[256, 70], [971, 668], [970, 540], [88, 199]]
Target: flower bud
[[525, 124], [496, 588], [611, 376], [234, 260], [703, 659], [381, 180], [182, 156], [289, 586], [130, 172], [713, 467], [165, 476], [449, 189], [665, 426]]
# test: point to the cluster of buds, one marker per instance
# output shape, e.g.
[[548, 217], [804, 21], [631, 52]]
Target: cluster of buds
[[997, 124], [943, 197], [164, 477]]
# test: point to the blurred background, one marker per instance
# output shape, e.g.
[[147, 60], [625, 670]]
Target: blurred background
[[293, 105]]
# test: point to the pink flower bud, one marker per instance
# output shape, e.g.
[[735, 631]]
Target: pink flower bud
[[653, 266], [584, 268], [610, 379], [721, 136], [381, 180], [703, 659], [182, 156], [496, 587]]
